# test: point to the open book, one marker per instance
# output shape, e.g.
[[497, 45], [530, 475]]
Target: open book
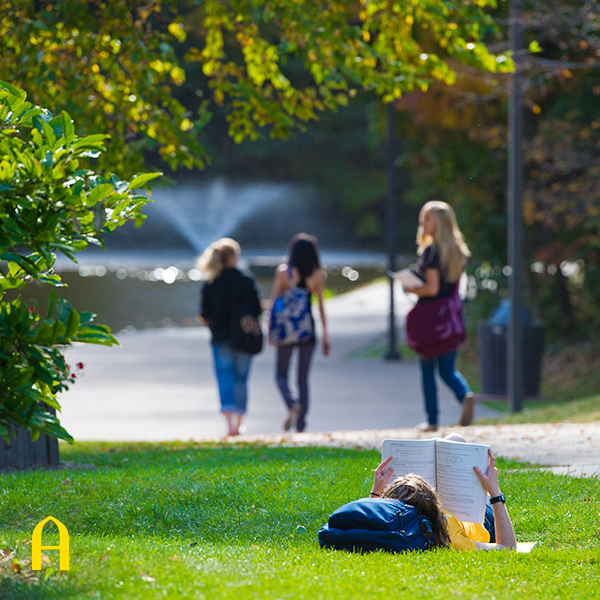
[[407, 278], [447, 467]]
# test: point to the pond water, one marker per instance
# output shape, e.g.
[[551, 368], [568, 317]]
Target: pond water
[[147, 279], [128, 296]]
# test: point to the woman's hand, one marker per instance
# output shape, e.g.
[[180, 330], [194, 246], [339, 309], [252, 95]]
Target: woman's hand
[[505, 533], [381, 476], [326, 346], [489, 479]]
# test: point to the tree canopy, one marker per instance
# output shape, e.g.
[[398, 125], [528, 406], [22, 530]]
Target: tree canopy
[[123, 67]]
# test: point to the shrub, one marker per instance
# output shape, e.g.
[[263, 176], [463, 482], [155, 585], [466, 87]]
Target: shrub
[[49, 202]]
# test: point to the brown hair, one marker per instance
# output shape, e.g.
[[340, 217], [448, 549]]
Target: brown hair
[[414, 490]]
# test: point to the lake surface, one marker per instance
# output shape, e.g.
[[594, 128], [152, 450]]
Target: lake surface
[[131, 292]]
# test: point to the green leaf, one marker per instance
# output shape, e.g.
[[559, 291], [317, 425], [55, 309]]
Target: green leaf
[[73, 324], [64, 309], [14, 90], [68, 128], [534, 46], [99, 193], [25, 263], [141, 179], [91, 142], [51, 303], [49, 133], [45, 333]]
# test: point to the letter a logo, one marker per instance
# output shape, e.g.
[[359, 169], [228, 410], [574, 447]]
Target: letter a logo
[[36, 545]]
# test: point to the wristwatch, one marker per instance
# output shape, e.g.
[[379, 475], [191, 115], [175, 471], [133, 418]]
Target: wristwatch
[[500, 498]]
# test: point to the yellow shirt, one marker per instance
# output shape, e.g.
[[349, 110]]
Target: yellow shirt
[[463, 535]]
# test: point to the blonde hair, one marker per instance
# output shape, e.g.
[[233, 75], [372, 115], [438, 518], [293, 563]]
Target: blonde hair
[[447, 239], [216, 257], [414, 490]]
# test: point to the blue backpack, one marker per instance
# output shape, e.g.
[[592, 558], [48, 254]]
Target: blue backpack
[[291, 319], [377, 524]]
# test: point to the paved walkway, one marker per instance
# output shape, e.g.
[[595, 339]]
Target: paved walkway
[[564, 448], [159, 385]]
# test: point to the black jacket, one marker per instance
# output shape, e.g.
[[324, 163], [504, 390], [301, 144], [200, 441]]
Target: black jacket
[[219, 298]]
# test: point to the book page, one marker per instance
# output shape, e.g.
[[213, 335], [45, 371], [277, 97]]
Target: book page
[[408, 279], [457, 487], [526, 546], [411, 456]]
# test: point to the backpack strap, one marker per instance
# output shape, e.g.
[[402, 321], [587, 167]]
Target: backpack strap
[[291, 277]]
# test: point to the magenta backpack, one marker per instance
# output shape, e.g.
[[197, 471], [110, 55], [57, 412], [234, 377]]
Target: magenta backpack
[[435, 327]]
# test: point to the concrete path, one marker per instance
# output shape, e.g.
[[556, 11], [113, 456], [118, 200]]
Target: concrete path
[[159, 384], [564, 448]]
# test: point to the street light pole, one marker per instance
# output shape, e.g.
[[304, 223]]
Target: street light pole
[[515, 212], [390, 213]]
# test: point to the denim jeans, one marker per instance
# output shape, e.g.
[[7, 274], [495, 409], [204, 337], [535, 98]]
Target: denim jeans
[[232, 368], [489, 522], [453, 379]]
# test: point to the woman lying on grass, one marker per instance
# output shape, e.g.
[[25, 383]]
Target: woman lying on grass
[[448, 530]]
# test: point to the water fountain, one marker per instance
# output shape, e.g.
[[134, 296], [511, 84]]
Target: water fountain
[[146, 277], [206, 212]]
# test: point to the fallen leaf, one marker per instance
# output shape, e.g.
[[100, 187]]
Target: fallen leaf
[[148, 578], [66, 481], [16, 566], [46, 562]]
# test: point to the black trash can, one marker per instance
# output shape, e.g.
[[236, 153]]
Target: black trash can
[[492, 350]]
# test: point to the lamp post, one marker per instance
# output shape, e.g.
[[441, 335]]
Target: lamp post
[[390, 220], [515, 212]]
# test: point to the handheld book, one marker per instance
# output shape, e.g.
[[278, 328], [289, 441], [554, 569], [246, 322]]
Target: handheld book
[[409, 279], [448, 467]]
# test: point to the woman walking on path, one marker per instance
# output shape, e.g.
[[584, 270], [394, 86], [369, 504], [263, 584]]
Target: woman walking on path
[[442, 259], [227, 288], [292, 325]]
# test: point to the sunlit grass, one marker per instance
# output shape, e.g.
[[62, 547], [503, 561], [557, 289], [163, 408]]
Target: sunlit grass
[[181, 520]]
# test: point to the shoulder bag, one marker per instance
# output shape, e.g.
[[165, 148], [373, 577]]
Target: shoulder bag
[[246, 333], [435, 327]]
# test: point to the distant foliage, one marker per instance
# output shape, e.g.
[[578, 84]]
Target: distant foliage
[[49, 203], [455, 149], [152, 72]]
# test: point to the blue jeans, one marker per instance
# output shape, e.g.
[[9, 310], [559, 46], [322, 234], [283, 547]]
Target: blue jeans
[[232, 368], [489, 522], [451, 377]]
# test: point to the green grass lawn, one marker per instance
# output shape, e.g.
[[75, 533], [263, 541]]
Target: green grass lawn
[[542, 411], [219, 521]]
